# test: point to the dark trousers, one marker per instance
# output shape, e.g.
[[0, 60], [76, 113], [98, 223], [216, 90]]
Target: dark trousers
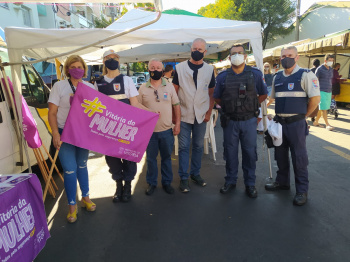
[[162, 142], [243, 132], [121, 169], [294, 139]]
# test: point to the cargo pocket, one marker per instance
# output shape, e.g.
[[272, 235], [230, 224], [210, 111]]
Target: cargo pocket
[[306, 129]]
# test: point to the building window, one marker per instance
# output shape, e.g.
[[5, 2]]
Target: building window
[[4, 5], [41, 9], [27, 18]]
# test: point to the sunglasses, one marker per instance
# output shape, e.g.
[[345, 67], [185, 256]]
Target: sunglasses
[[157, 97]]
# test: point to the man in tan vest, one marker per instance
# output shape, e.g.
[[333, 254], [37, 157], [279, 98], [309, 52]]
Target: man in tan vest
[[194, 81]]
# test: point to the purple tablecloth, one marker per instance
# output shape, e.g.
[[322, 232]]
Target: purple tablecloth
[[23, 226]]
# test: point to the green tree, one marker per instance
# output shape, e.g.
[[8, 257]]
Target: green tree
[[146, 7], [139, 67], [275, 16], [102, 23]]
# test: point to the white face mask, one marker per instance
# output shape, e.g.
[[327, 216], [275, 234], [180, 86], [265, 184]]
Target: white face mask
[[329, 63], [237, 59]]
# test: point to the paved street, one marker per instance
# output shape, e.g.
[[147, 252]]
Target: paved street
[[205, 225]]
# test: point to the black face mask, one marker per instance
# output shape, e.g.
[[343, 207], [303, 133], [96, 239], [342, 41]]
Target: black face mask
[[155, 75], [196, 55], [288, 62], [112, 64]]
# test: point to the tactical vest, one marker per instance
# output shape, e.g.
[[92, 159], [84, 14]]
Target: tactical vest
[[114, 89], [239, 99], [290, 96]]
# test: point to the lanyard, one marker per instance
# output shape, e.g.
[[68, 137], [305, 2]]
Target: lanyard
[[71, 85]]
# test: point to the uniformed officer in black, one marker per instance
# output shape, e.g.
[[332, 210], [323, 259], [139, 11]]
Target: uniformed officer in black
[[239, 90], [122, 88], [297, 94]]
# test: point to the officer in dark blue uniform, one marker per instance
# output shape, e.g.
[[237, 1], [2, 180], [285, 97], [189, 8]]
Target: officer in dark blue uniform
[[239, 90], [296, 93], [122, 88]]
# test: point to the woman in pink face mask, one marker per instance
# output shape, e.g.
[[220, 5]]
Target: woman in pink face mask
[[73, 159]]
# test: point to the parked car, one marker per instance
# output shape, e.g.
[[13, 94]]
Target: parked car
[[36, 94], [138, 81], [141, 79], [144, 75]]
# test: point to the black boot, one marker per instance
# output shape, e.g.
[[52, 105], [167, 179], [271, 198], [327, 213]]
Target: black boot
[[119, 192], [127, 191]]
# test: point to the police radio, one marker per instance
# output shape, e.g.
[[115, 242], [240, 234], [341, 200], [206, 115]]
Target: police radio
[[241, 94], [242, 91]]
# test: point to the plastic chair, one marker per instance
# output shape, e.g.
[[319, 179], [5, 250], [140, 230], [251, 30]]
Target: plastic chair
[[209, 136]]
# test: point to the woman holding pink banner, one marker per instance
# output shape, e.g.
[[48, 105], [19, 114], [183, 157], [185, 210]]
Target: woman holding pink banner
[[122, 88], [73, 159]]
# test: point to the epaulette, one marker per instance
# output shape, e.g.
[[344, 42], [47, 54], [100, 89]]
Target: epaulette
[[221, 73], [306, 70], [256, 69]]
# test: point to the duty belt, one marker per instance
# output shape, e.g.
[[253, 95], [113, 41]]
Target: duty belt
[[240, 118], [288, 120]]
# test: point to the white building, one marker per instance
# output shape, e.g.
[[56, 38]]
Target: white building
[[24, 15], [55, 15], [320, 19]]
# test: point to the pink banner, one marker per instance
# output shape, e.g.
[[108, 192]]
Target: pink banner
[[107, 126], [30, 131]]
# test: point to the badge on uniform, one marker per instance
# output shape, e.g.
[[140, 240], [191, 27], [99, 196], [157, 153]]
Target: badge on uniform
[[165, 95], [116, 87], [314, 83], [290, 86]]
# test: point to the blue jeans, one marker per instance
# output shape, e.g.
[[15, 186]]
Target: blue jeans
[[162, 142], [74, 163], [244, 132], [198, 132]]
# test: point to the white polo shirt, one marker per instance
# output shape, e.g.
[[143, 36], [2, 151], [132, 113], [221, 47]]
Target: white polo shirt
[[60, 96]]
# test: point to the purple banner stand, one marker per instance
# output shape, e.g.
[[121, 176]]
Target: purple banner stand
[[23, 225]]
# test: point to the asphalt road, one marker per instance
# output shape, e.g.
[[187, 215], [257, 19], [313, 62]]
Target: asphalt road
[[205, 225]]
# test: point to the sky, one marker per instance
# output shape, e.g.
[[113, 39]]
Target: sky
[[194, 5]]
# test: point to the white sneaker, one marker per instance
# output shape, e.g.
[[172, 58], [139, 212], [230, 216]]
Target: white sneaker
[[330, 128]]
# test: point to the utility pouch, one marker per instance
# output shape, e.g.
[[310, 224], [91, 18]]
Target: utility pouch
[[223, 120]]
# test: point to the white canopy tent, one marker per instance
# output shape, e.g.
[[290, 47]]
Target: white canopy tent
[[169, 38]]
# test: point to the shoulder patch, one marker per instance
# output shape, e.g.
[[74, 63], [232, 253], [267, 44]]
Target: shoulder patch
[[315, 83]]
